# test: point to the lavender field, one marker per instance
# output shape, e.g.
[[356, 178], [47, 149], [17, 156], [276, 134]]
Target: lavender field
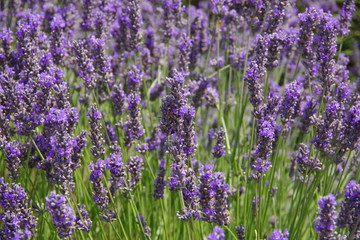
[[170, 119]]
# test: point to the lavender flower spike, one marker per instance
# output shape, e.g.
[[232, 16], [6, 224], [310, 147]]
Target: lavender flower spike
[[219, 149], [345, 16], [147, 229], [63, 215], [217, 234], [278, 235], [159, 182], [97, 140], [100, 193], [325, 222], [240, 232], [220, 188], [16, 216], [135, 167], [86, 69], [133, 127], [206, 192], [349, 215]]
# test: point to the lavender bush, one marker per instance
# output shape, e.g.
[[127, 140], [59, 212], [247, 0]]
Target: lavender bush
[[170, 119]]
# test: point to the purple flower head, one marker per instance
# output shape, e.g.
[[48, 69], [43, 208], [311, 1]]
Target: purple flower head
[[15, 155], [221, 194], [117, 169], [253, 79], [144, 226], [83, 222], [134, 24], [305, 164], [135, 167], [100, 193], [86, 69], [240, 232], [307, 111], [97, 140], [184, 47], [217, 234], [349, 211], [266, 133], [133, 127], [329, 128], [16, 216], [160, 182], [219, 149], [343, 92], [206, 192], [325, 222], [118, 99], [345, 16], [172, 106], [278, 235], [111, 138], [63, 216], [290, 105], [134, 78], [190, 195]]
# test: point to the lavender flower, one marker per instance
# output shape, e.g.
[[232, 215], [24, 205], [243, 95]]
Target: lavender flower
[[135, 167], [111, 134], [146, 228], [349, 210], [135, 22], [206, 192], [217, 234], [133, 127], [63, 216], [219, 149], [184, 47], [57, 49], [83, 222], [160, 182], [221, 210], [17, 217], [157, 91], [275, 16], [304, 162], [345, 16], [172, 104], [326, 51], [329, 127], [118, 99], [87, 13], [307, 111], [134, 79], [97, 140], [86, 69], [325, 222], [27, 46], [6, 39], [156, 139], [177, 178], [253, 78], [240, 232], [15, 155], [186, 130], [290, 105], [117, 169], [266, 134], [101, 62], [100, 193], [190, 197], [278, 235]]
